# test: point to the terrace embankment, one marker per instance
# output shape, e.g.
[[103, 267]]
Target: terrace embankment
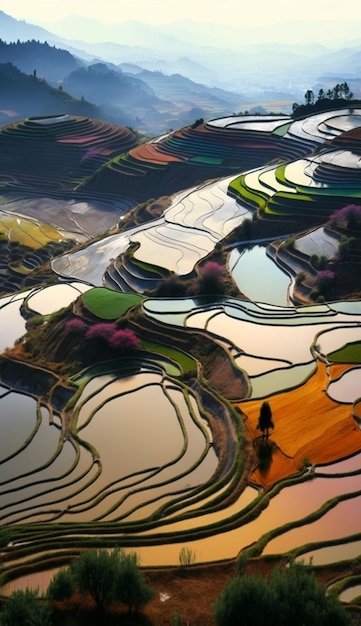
[[35, 381]]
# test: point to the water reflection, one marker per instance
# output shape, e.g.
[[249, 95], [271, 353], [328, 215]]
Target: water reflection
[[147, 460], [347, 388], [258, 277], [350, 593], [332, 554]]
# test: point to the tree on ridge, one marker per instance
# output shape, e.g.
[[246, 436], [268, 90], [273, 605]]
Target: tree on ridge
[[265, 419]]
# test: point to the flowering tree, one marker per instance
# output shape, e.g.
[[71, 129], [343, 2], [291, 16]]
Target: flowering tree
[[124, 339], [103, 330], [211, 277], [325, 277], [212, 268], [349, 216], [106, 333], [77, 326]]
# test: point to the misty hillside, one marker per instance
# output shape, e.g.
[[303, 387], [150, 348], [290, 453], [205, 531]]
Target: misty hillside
[[47, 61], [150, 101], [178, 88], [24, 95], [212, 55], [100, 84], [284, 54], [157, 78]]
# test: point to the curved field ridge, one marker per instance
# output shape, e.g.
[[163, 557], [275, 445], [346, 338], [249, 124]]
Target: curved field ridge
[[213, 149], [68, 149], [319, 427], [188, 231], [316, 184], [102, 476]]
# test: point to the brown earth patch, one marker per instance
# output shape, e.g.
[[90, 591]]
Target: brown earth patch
[[308, 424], [228, 381], [191, 593]]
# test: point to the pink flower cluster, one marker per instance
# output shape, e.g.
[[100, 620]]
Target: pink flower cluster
[[212, 269], [76, 326], [123, 339], [351, 214], [325, 276], [100, 331]]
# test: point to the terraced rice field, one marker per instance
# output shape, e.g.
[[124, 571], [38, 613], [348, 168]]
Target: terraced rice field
[[142, 452]]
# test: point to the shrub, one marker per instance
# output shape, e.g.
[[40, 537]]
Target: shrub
[[24, 608], [94, 573], [105, 576], [245, 601], [186, 557], [292, 596], [314, 260], [300, 277], [130, 586], [346, 246], [61, 586]]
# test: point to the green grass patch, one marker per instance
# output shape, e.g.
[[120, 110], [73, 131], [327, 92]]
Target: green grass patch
[[256, 198], [108, 304], [187, 363], [282, 130], [280, 175], [350, 353]]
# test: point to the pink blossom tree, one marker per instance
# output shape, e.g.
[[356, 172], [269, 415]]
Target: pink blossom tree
[[211, 278], [124, 339], [77, 326], [103, 330], [349, 216]]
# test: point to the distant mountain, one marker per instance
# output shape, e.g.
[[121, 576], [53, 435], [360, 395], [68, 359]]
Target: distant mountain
[[46, 61], [100, 84], [266, 76], [150, 101], [19, 30], [158, 101], [179, 89], [24, 95]]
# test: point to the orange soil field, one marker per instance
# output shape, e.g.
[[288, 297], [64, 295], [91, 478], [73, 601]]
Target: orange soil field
[[307, 423]]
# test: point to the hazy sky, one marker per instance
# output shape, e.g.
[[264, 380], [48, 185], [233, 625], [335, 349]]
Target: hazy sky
[[253, 12]]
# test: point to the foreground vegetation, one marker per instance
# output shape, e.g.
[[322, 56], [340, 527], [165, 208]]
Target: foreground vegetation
[[113, 581]]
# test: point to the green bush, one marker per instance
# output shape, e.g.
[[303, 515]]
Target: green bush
[[292, 596], [24, 608]]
